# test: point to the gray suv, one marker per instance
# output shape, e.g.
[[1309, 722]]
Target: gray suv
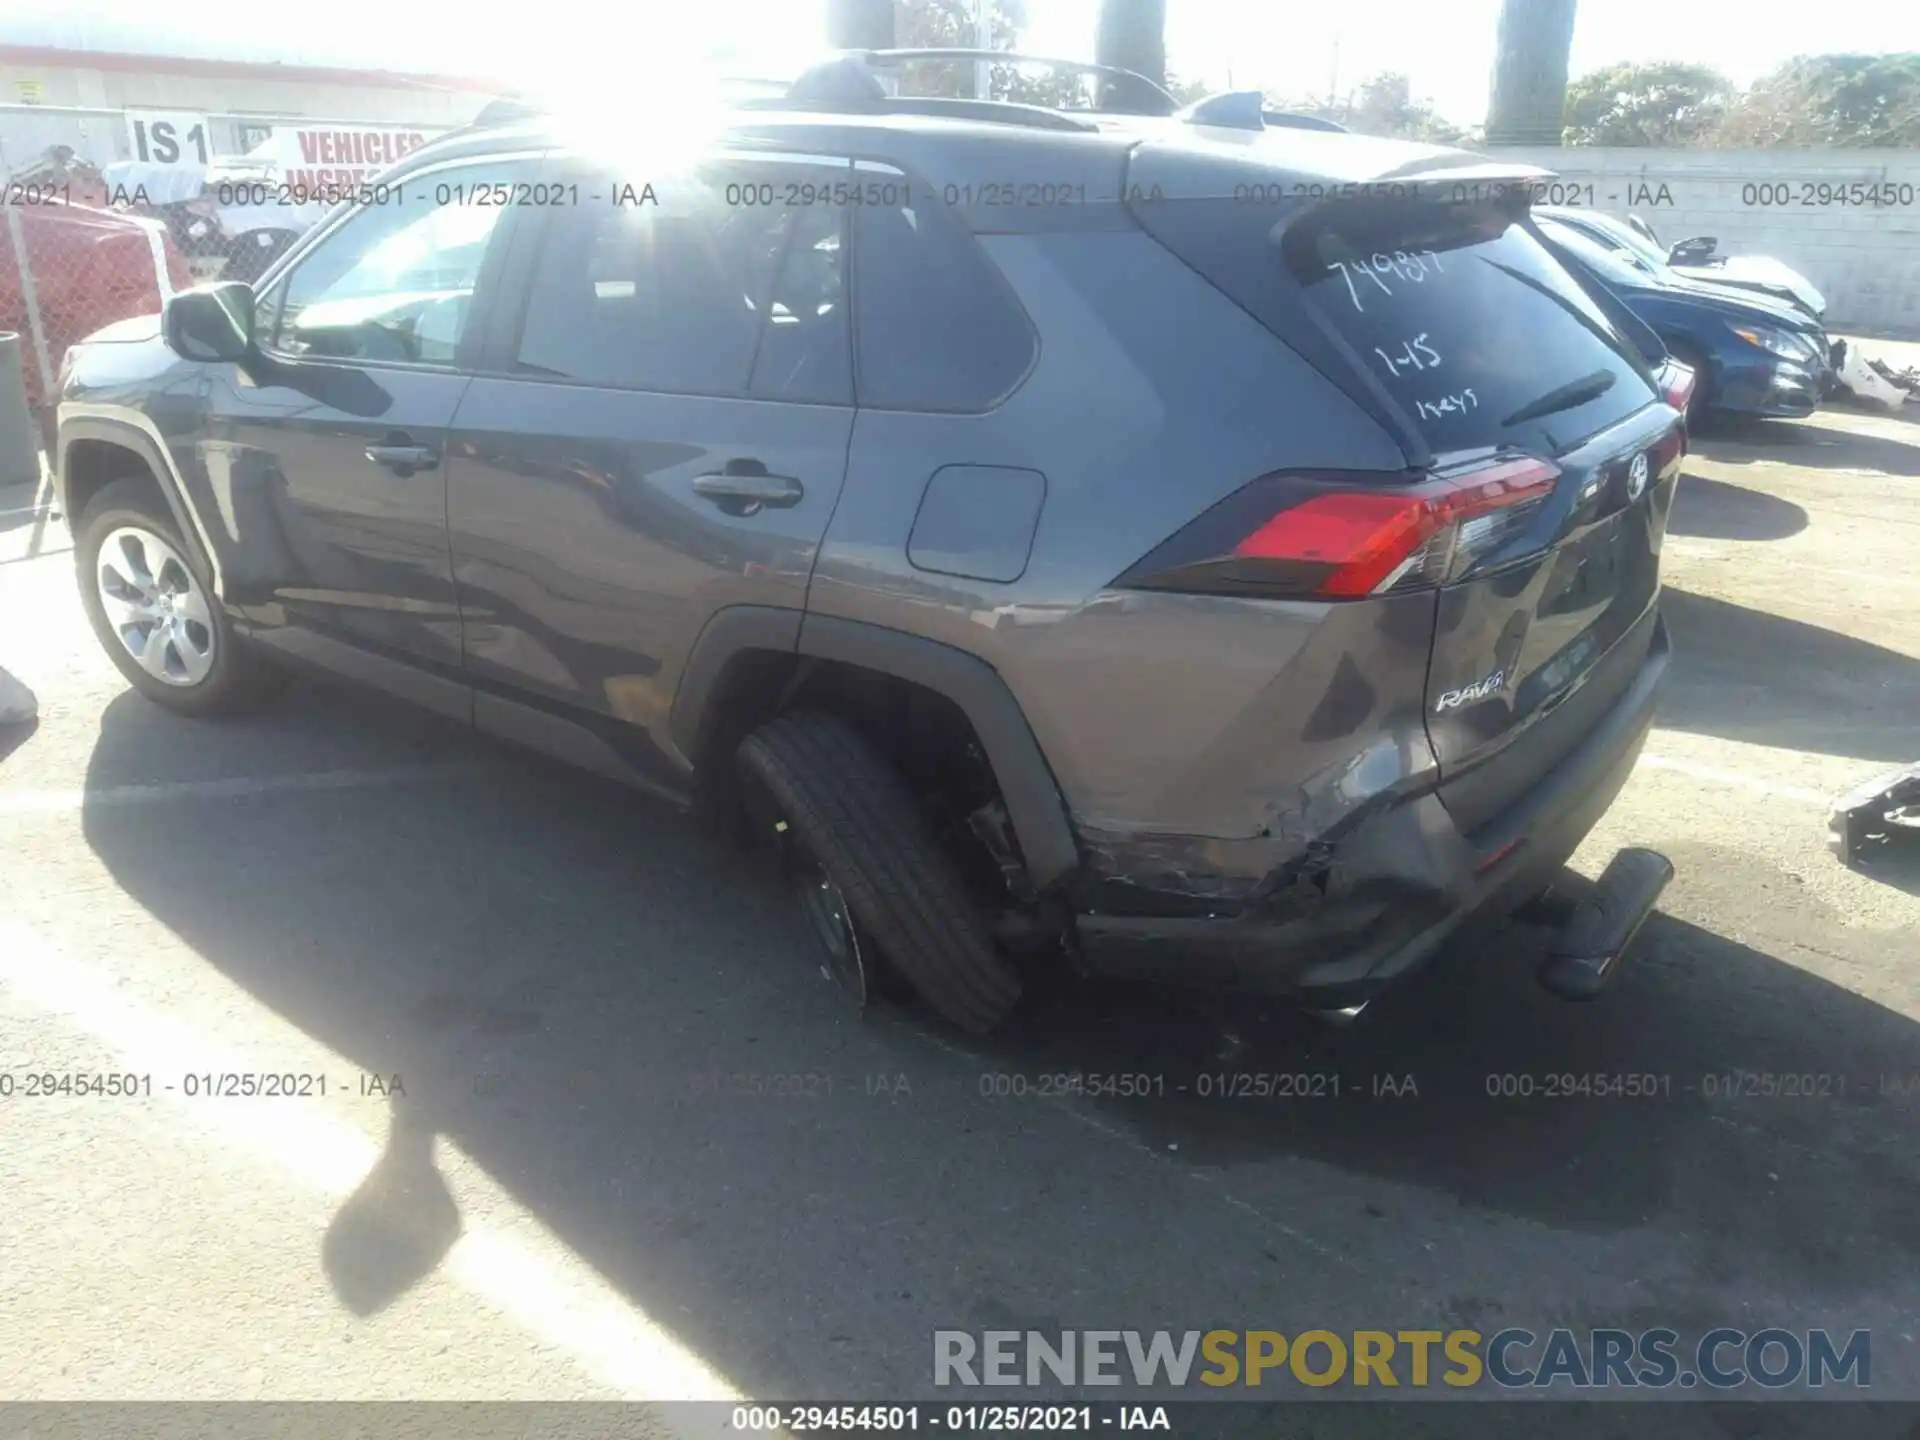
[[1184, 544]]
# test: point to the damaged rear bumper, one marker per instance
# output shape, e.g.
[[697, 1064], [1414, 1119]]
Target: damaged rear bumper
[[1369, 905]]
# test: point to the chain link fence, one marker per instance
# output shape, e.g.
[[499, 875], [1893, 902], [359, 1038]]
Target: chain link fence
[[69, 270], [93, 233]]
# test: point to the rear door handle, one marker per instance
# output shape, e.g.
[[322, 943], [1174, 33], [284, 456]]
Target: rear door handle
[[748, 492], [404, 459]]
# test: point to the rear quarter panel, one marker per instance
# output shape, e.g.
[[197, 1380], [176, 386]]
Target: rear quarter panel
[[1153, 398]]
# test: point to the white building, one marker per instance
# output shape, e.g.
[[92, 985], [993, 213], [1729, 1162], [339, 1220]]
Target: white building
[[53, 95]]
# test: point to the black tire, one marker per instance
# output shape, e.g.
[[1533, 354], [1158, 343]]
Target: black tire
[[859, 820], [237, 680]]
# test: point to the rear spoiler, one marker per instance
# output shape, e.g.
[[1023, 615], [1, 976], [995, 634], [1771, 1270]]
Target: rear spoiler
[[1292, 168]]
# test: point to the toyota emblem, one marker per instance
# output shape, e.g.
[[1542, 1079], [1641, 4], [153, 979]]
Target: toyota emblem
[[1637, 478]]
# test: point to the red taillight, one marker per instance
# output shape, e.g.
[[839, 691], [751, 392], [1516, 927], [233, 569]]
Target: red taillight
[[1363, 536], [1372, 538], [1676, 384], [1331, 538]]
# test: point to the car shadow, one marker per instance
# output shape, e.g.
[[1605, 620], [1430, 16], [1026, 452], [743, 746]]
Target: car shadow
[[1763, 679], [1892, 860], [619, 1020], [1714, 510], [1474, 1083], [1731, 440], [25, 507], [13, 736]]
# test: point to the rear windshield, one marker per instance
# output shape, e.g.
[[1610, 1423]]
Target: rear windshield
[[1467, 321], [1464, 319]]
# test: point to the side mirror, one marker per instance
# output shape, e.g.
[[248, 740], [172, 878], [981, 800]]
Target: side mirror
[[1694, 251], [210, 322]]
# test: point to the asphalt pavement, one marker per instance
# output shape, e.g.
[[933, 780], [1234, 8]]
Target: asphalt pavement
[[577, 1116]]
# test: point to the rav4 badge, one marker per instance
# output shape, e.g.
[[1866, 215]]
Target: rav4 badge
[[1478, 690]]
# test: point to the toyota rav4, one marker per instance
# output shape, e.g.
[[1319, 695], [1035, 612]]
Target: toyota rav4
[[1176, 543]]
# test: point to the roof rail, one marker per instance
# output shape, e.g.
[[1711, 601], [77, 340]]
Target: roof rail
[[993, 112], [848, 81], [1156, 95], [998, 112], [509, 109]]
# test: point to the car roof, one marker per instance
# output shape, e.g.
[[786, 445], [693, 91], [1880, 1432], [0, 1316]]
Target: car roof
[[1670, 284], [1019, 145], [1584, 219]]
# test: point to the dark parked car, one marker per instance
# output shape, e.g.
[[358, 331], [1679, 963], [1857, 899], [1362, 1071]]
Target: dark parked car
[[1697, 259], [1169, 543], [1751, 356]]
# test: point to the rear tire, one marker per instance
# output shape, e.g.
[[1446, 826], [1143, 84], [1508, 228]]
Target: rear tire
[[153, 608], [858, 820]]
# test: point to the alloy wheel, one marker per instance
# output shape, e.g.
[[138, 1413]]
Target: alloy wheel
[[155, 606]]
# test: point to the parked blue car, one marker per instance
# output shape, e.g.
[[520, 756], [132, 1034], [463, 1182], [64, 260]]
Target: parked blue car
[[1750, 355], [1696, 259]]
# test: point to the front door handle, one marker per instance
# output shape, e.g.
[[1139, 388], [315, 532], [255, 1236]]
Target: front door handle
[[745, 488], [403, 460]]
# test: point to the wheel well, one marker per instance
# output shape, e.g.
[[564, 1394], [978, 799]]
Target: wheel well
[[92, 465], [924, 733]]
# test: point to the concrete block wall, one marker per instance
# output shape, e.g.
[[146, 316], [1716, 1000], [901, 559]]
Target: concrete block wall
[[1865, 258]]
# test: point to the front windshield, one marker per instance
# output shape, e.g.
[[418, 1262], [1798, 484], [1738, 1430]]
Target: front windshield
[[1640, 245]]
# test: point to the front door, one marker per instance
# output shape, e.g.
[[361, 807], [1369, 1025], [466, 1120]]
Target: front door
[[328, 461]]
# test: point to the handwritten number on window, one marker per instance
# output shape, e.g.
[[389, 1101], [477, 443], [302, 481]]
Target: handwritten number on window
[[1384, 271]]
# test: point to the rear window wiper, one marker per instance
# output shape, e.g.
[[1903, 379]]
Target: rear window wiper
[[1564, 397]]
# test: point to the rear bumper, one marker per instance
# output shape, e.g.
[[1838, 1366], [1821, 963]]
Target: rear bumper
[[1399, 881]]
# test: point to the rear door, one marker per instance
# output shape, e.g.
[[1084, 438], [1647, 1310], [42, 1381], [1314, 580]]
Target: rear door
[[659, 433], [1485, 342]]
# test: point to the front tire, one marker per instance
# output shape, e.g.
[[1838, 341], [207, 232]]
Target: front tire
[[153, 608], [858, 821]]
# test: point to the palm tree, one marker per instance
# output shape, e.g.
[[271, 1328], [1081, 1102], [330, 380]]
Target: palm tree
[[1530, 72], [860, 24], [1133, 35]]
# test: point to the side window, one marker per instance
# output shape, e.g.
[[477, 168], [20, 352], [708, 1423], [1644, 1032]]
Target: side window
[[935, 326], [396, 281], [729, 280], [806, 351]]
